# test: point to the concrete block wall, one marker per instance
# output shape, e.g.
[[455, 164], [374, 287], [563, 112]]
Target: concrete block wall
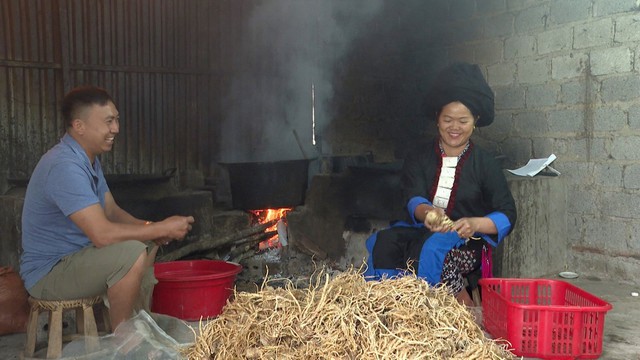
[[567, 80]]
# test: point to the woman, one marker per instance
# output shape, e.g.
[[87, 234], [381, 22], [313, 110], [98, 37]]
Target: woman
[[449, 176]]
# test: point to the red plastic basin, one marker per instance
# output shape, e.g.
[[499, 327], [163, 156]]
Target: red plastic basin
[[193, 289]]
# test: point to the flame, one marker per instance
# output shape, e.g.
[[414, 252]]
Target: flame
[[267, 215]]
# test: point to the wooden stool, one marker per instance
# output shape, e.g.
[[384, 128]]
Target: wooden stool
[[85, 324]]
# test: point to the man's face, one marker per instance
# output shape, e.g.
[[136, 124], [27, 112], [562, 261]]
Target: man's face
[[97, 128]]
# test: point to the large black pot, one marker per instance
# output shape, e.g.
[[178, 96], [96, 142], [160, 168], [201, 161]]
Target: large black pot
[[268, 185]]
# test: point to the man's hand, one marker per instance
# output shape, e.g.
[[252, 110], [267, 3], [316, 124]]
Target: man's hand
[[93, 221], [175, 228]]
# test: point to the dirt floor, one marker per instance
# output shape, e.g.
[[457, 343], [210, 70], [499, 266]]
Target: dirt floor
[[621, 339]]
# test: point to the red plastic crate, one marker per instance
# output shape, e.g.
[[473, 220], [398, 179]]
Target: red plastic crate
[[541, 318]]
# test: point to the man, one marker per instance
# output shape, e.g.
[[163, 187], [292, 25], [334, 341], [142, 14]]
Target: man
[[77, 242]]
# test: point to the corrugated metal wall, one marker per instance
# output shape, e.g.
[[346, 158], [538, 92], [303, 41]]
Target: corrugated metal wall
[[161, 61]]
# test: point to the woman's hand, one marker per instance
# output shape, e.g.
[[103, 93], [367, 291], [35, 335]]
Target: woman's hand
[[438, 225], [465, 227]]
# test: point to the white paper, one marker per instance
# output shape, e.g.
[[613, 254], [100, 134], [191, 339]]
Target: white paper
[[534, 166]]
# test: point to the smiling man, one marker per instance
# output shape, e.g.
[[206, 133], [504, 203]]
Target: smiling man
[[77, 242]]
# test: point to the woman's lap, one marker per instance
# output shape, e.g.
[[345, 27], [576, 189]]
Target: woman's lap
[[430, 254]]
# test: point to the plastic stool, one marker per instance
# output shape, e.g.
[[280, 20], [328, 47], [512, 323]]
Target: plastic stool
[[85, 324]]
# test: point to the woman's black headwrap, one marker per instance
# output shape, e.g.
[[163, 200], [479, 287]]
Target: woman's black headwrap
[[465, 83]]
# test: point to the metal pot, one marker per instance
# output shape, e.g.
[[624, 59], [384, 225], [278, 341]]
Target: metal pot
[[268, 185]]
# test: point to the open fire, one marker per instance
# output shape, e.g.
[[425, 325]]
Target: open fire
[[280, 239]]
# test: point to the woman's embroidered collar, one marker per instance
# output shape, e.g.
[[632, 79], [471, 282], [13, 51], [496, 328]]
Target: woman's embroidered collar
[[459, 156]]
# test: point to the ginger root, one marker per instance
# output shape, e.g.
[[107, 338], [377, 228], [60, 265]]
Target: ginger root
[[436, 219]]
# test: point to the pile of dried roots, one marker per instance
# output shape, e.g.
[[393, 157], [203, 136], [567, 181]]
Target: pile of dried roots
[[346, 318]]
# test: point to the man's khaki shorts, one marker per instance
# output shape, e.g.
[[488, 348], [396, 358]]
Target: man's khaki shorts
[[88, 272]]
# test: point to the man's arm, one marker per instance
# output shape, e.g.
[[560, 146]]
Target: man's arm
[[116, 214], [93, 221]]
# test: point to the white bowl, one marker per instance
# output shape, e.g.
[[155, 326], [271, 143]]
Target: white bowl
[[568, 275]]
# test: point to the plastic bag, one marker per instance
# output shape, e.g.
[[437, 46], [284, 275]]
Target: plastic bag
[[14, 307], [140, 337]]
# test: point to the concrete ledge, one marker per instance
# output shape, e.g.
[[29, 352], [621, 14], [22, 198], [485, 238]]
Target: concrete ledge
[[539, 243]]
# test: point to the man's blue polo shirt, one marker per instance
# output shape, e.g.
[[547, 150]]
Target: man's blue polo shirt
[[63, 182]]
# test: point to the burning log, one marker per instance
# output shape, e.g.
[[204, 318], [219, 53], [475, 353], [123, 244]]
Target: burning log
[[252, 239], [208, 243], [249, 245]]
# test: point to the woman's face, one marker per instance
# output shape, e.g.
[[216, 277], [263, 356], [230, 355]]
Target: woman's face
[[455, 125]]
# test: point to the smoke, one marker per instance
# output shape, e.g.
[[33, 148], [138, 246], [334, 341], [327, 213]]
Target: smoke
[[286, 47]]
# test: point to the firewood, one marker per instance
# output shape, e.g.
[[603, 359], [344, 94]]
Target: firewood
[[207, 242], [250, 244], [252, 238]]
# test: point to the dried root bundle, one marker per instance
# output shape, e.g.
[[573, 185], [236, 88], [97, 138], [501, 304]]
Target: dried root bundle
[[346, 318], [436, 219]]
